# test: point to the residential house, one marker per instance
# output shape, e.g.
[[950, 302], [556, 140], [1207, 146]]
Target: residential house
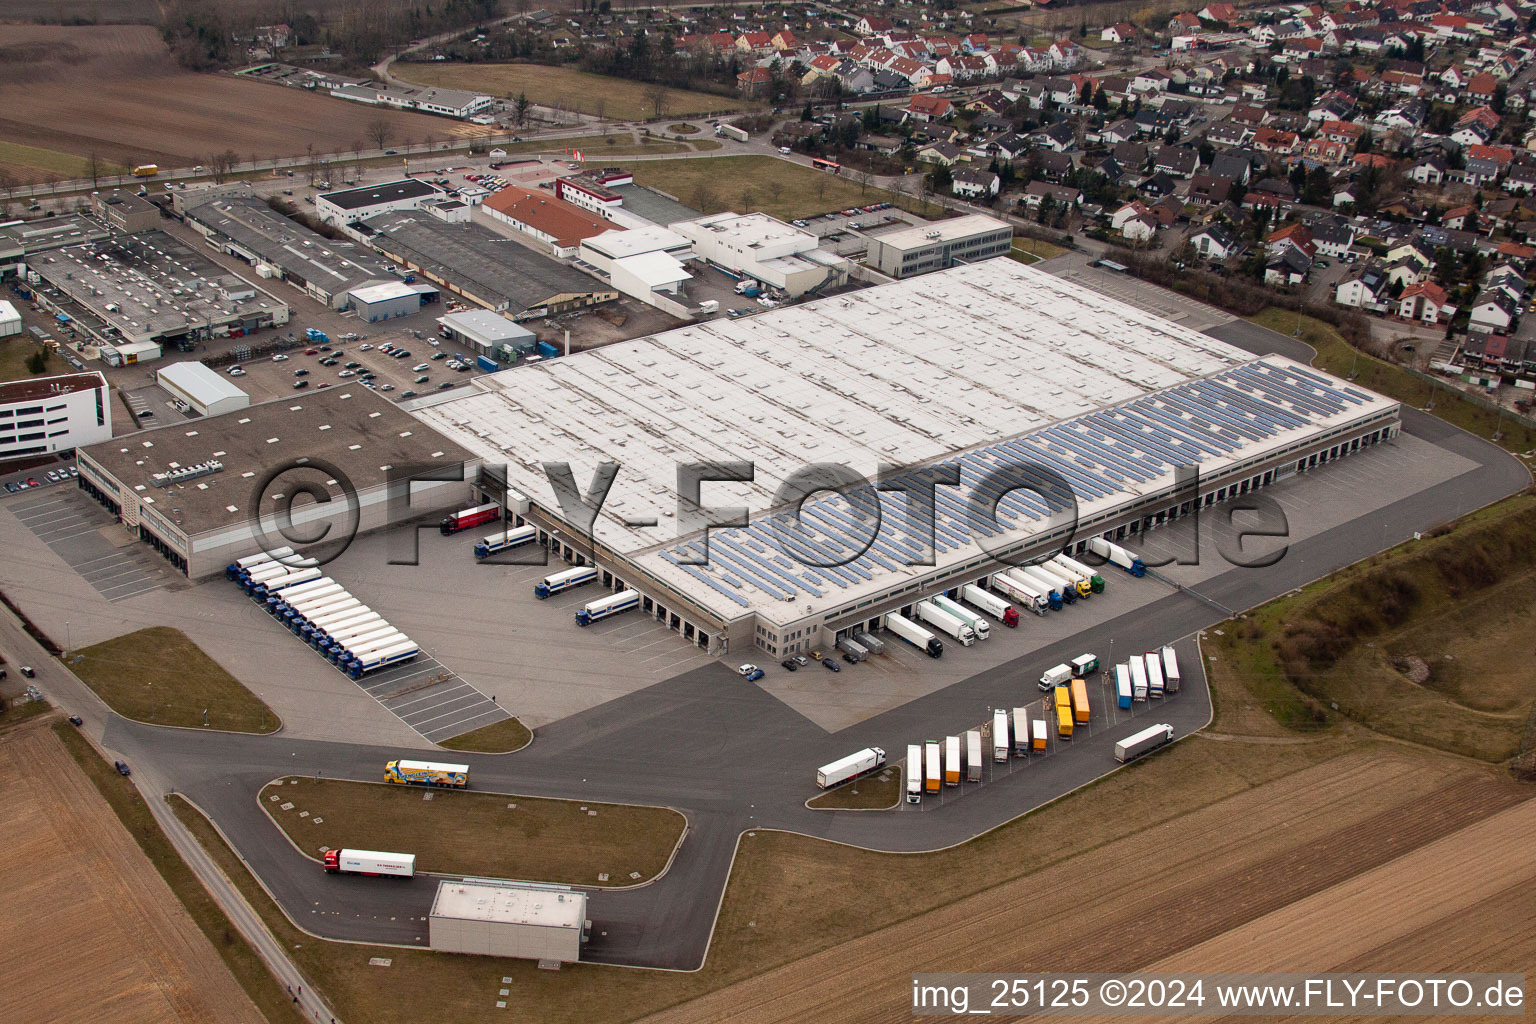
[[1121, 33], [1333, 237], [1232, 165], [1058, 137], [1483, 164], [1178, 161], [1364, 287], [1493, 311], [975, 183], [1429, 170], [1036, 192], [873, 26], [1425, 301], [754, 82], [1159, 185], [1052, 166], [929, 108], [1287, 268], [1209, 190], [1121, 131], [946, 154], [1215, 243], [1229, 133]]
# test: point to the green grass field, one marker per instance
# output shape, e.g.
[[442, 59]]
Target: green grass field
[[30, 164], [1335, 355], [569, 89], [14, 353], [871, 793], [741, 183], [158, 675], [501, 737], [490, 834]]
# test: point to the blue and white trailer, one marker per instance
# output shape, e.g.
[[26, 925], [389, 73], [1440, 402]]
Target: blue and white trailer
[[336, 613], [1123, 687], [239, 565], [356, 648], [566, 580], [488, 546], [383, 659], [337, 632], [293, 608], [605, 607], [1117, 555], [1056, 584], [1048, 588], [293, 579], [261, 574], [297, 591], [311, 610]]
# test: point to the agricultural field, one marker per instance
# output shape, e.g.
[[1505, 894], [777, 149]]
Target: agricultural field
[[118, 945], [114, 91], [776, 187], [569, 89]]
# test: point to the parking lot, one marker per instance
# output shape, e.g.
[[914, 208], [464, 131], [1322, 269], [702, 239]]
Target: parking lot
[[92, 543]]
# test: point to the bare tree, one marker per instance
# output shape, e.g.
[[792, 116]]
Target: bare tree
[[93, 167], [379, 130], [703, 198], [600, 108], [746, 199], [657, 96], [8, 185], [222, 164], [821, 186], [864, 178], [775, 190]]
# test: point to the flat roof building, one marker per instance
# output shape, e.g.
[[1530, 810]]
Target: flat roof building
[[938, 245], [205, 391], [347, 206], [765, 249], [125, 212], [22, 238], [488, 334], [53, 414], [496, 919], [982, 368], [646, 263], [328, 270], [482, 266], [151, 287], [538, 214], [389, 299], [10, 319], [460, 103], [333, 439]]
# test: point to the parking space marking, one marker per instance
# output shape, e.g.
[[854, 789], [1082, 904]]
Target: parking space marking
[[70, 524]]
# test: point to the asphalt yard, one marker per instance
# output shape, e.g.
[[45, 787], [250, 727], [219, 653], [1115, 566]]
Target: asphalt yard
[[83, 534]]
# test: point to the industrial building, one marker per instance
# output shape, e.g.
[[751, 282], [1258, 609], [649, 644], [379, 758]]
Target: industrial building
[[980, 369], [535, 922], [459, 103], [488, 334], [646, 263], [206, 493], [151, 288], [328, 270], [125, 212], [482, 266], [23, 238], [613, 194], [938, 245], [204, 391], [389, 299], [350, 205], [10, 319], [539, 215], [53, 414], [761, 247]]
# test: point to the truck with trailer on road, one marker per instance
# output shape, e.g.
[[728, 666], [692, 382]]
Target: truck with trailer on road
[[370, 862], [567, 579], [844, 769], [427, 773], [1142, 743], [468, 518], [607, 607], [914, 634], [993, 605]]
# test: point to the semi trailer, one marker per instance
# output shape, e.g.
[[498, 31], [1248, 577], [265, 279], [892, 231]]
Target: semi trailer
[[606, 607], [976, 622], [952, 760], [870, 642], [1057, 594], [941, 620], [1080, 701], [1154, 662], [467, 518], [993, 605], [934, 774], [914, 634], [370, 862], [914, 773], [1000, 748], [855, 651], [851, 767], [1122, 687], [488, 546], [1037, 735], [1094, 579], [569, 579], [359, 667], [973, 755], [1020, 731], [1116, 555], [1170, 670], [1064, 719], [1143, 743], [1138, 679], [1029, 596], [427, 773], [1076, 581]]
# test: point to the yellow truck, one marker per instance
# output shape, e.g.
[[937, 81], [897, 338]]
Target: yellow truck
[[426, 773], [1080, 700], [146, 170], [1063, 713]]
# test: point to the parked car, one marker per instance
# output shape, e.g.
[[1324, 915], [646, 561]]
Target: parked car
[[445, 385], [311, 351], [407, 394], [353, 365], [11, 487], [122, 768], [386, 387], [27, 671], [349, 336], [73, 471], [76, 720], [829, 663], [235, 371], [346, 373], [301, 373], [300, 384], [751, 672], [32, 482], [790, 664], [364, 347], [419, 367], [422, 379], [438, 355], [279, 358]]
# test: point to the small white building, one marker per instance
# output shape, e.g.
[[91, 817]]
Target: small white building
[[766, 249], [350, 205], [486, 333], [10, 319], [53, 414], [205, 391], [388, 299], [641, 262], [490, 919]]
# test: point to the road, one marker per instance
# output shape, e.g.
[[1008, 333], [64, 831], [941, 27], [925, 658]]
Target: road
[[753, 771]]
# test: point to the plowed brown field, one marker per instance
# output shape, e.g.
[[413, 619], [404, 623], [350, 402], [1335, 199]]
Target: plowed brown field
[[1235, 884], [114, 91], [90, 932]]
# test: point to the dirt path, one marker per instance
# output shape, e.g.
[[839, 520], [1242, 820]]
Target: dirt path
[[90, 931], [1141, 899]]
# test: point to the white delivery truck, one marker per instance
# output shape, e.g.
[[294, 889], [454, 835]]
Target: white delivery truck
[[933, 776], [976, 622], [914, 773], [973, 755], [952, 760], [370, 862], [1154, 674], [1170, 670], [851, 767], [1138, 679], [1055, 676], [1031, 597], [914, 634], [1020, 731], [993, 605], [1000, 749], [941, 620]]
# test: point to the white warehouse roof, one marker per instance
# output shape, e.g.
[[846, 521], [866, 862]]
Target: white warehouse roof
[[8, 313], [508, 904], [984, 364], [919, 235], [200, 382], [620, 243], [654, 269], [383, 292]]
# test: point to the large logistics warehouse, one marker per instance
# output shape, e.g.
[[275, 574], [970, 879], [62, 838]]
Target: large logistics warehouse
[[496, 919], [976, 370], [204, 494]]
